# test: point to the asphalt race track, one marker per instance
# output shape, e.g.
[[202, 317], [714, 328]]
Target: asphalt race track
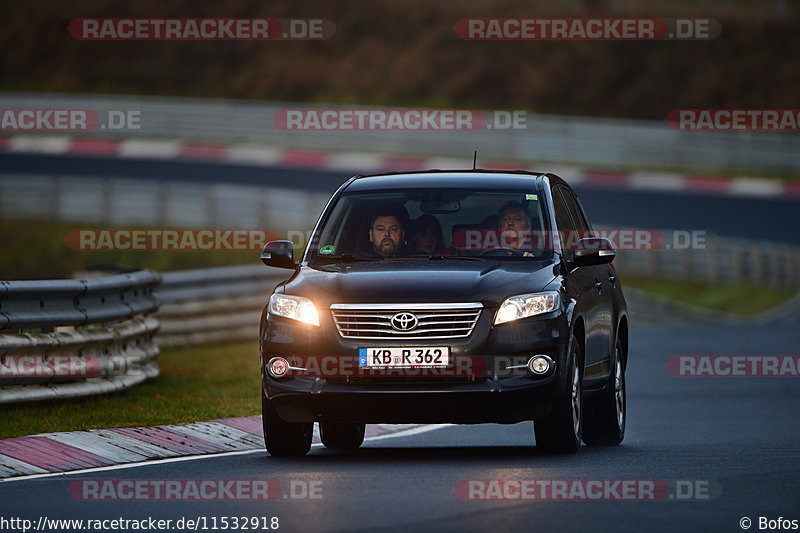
[[748, 217], [735, 437]]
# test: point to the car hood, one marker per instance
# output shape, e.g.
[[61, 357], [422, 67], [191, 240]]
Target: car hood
[[488, 282]]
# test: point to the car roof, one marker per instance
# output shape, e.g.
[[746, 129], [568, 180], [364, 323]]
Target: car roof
[[471, 179]]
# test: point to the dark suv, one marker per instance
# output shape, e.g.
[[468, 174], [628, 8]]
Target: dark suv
[[446, 297]]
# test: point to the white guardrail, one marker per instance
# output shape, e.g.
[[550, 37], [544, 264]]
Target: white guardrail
[[616, 143], [73, 338], [121, 202], [721, 261], [208, 305], [62, 339]]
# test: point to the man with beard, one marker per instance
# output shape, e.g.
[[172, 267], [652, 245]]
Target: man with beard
[[387, 231]]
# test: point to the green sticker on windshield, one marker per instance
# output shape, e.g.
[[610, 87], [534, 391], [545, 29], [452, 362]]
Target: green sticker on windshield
[[326, 250], [531, 197]]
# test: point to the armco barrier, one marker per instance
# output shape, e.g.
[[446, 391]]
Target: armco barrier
[[208, 305], [113, 201], [101, 326], [722, 261]]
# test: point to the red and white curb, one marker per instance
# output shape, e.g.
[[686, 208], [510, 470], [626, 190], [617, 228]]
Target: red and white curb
[[96, 448], [262, 155]]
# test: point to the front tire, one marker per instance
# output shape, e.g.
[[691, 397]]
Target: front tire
[[281, 438], [561, 430], [340, 436], [606, 413]]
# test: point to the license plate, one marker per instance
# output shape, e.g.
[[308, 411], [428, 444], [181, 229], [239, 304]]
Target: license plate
[[404, 357]]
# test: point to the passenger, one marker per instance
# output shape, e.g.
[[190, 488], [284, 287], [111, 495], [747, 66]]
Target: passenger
[[427, 237]]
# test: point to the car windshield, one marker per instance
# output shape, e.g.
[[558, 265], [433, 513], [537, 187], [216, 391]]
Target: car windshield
[[434, 223]]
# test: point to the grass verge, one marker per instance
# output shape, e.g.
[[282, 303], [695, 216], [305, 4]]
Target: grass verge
[[741, 299], [196, 383]]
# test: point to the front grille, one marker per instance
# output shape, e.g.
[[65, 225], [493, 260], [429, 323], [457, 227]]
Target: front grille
[[434, 321]]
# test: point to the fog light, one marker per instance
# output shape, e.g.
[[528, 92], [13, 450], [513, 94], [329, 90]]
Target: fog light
[[540, 364], [278, 367]]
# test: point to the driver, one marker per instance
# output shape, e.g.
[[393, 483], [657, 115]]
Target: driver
[[387, 231], [514, 222]]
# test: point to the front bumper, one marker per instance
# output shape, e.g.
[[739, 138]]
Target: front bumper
[[489, 394], [396, 404]]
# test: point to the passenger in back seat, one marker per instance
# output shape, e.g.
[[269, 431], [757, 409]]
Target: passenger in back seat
[[426, 235]]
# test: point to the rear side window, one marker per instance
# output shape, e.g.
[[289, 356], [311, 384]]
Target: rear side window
[[574, 210], [563, 218]]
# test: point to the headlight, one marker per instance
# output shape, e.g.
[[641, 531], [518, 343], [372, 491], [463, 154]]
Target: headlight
[[294, 307], [525, 305]]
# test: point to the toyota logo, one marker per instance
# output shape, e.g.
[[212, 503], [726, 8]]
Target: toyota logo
[[404, 321]]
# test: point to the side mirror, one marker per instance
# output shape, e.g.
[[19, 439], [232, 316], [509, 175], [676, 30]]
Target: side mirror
[[593, 251], [278, 254]]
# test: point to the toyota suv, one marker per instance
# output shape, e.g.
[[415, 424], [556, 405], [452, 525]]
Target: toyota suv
[[446, 297]]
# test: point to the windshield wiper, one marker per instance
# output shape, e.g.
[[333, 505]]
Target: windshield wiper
[[347, 258], [433, 257], [440, 257], [350, 258]]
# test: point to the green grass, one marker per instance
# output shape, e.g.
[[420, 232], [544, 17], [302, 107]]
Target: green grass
[[196, 383], [738, 299]]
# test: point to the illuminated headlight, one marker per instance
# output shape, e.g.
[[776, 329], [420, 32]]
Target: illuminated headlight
[[525, 305], [294, 307]]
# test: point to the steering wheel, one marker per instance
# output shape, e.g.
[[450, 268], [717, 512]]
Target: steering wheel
[[514, 251]]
